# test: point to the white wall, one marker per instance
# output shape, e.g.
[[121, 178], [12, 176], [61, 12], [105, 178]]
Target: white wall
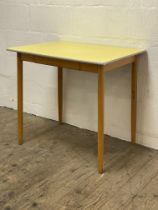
[[132, 23]]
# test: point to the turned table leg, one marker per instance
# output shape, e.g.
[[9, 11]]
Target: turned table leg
[[101, 121], [60, 94], [133, 103], [20, 97]]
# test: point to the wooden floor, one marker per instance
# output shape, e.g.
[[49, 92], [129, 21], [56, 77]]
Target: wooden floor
[[56, 168]]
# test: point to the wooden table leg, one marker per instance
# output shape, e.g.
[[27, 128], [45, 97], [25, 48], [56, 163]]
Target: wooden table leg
[[101, 121], [60, 93], [20, 97], [133, 103]]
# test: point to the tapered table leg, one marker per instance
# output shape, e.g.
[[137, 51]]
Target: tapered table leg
[[60, 94], [101, 121], [133, 103], [20, 97]]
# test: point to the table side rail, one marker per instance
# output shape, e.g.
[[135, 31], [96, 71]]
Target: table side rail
[[75, 65], [119, 63]]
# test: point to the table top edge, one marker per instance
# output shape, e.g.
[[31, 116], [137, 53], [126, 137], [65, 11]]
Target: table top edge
[[142, 51]]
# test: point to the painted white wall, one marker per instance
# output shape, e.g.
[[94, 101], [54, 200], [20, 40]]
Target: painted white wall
[[131, 23]]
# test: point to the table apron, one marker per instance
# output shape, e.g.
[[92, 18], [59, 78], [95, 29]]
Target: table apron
[[76, 65], [119, 63]]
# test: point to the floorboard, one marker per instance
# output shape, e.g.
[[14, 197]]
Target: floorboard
[[56, 169]]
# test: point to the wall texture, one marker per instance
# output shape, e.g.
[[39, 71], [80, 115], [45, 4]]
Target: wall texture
[[131, 23]]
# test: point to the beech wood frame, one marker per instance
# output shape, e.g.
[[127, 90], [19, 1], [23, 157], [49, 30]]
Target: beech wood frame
[[99, 69]]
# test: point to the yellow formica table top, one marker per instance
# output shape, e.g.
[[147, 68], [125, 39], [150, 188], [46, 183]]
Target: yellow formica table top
[[89, 53]]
